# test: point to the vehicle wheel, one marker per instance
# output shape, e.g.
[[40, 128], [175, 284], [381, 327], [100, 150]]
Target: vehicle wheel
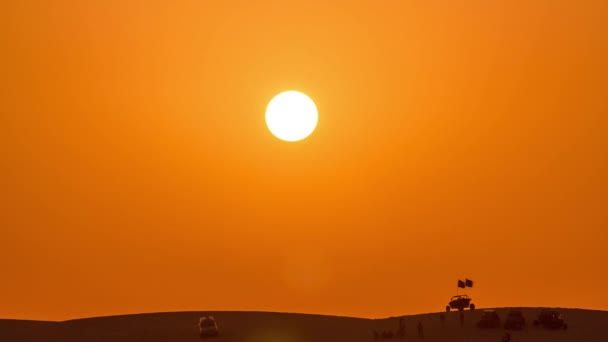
[[447, 308], [472, 307]]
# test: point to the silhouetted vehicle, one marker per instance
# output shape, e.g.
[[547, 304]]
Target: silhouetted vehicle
[[550, 319], [515, 320], [489, 320], [460, 302], [207, 327]]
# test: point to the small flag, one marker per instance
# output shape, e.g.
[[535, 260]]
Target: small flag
[[461, 284], [468, 282]]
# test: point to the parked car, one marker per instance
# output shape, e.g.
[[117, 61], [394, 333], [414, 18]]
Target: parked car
[[515, 320], [550, 319], [207, 327], [460, 302], [489, 320]]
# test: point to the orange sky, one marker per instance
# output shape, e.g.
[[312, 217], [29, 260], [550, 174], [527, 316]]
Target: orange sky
[[455, 139]]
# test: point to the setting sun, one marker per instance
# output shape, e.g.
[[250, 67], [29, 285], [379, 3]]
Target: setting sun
[[291, 116]]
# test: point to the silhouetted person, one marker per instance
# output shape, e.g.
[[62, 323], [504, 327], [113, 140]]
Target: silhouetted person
[[420, 331], [401, 328], [461, 319], [387, 335], [376, 335], [442, 319]]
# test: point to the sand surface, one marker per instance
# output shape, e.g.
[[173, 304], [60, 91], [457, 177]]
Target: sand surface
[[583, 325]]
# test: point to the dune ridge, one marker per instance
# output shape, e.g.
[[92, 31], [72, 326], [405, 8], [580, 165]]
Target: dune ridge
[[258, 326]]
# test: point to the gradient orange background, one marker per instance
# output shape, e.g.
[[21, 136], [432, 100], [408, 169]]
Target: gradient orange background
[[455, 139]]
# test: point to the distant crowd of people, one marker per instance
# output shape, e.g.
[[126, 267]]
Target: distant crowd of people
[[400, 333]]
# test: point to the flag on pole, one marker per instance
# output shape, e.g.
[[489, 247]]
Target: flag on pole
[[461, 284], [468, 283]]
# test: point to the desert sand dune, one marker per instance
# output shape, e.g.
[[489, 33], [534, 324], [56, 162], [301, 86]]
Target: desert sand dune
[[584, 325]]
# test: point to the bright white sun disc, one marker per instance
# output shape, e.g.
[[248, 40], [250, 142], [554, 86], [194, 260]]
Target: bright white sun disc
[[291, 116]]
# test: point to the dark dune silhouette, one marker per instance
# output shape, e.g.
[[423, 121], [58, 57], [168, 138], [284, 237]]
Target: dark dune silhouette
[[583, 325]]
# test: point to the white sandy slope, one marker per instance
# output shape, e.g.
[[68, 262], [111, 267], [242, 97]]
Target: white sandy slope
[[584, 325]]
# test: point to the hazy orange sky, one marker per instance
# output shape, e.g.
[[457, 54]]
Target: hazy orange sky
[[455, 139]]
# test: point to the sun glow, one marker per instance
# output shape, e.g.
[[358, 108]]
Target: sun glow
[[291, 116]]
